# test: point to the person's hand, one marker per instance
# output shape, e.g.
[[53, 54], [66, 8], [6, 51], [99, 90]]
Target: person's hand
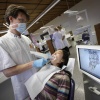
[[39, 63]]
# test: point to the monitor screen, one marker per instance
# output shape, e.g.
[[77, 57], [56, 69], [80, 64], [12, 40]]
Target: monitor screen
[[89, 61]]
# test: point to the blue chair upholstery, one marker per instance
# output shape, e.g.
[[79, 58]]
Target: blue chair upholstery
[[72, 90]]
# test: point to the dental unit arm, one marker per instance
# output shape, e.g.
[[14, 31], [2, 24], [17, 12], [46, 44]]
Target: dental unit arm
[[41, 55]]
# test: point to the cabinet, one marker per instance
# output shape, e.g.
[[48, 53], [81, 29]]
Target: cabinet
[[50, 46], [97, 30]]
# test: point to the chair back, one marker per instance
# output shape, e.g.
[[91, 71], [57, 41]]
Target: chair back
[[72, 90], [72, 86]]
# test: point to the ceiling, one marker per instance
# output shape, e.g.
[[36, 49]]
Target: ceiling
[[35, 8]]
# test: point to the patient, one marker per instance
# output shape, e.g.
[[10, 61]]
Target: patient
[[58, 86]]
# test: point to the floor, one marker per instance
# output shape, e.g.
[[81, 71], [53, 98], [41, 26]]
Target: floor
[[6, 92]]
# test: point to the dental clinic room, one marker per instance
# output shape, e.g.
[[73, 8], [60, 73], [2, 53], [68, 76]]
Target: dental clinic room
[[49, 50]]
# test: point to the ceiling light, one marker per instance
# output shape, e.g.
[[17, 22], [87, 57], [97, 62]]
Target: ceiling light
[[79, 18], [46, 27], [44, 12], [4, 31], [6, 25], [70, 12]]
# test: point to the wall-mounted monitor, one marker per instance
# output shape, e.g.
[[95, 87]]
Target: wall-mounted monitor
[[89, 60]]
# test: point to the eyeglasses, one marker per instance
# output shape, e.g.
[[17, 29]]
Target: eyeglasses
[[22, 20]]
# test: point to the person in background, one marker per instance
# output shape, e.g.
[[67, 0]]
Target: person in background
[[86, 37], [15, 58], [57, 37], [57, 86], [39, 45], [63, 32]]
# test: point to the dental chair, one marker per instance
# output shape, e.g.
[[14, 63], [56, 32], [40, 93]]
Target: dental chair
[[69, 69], [72, 86], [72, 90]]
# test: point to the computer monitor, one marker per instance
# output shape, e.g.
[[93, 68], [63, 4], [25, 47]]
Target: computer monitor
[[89, 60]]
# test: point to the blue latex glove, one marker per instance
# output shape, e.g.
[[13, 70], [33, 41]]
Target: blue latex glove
[[39, 63]]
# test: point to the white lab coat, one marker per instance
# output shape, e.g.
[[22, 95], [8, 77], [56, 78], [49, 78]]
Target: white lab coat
[[63, 32], [57, 37], [16, 51]]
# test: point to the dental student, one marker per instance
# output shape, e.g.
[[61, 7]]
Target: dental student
[[15, 58], [57, 37], [65, 42]]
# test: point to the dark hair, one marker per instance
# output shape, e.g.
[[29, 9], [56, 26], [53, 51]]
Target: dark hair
[[14, 10], [59, 27], [55, 29], [65, 58], [37, 41]]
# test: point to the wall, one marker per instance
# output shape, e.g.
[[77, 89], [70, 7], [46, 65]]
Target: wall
[[92, 7]]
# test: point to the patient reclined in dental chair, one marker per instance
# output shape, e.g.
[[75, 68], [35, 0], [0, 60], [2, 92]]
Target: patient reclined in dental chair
[[52, 81]]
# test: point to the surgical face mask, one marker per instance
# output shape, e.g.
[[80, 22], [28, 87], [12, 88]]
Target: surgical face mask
[[21, 27], [26, 32]]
